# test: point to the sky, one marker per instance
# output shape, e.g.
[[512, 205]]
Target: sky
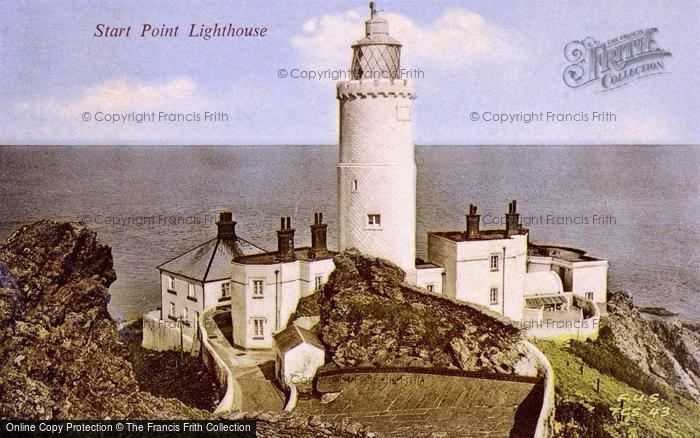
[[478, 57]]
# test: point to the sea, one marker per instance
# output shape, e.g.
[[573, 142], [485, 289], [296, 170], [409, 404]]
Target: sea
[[636, 206]]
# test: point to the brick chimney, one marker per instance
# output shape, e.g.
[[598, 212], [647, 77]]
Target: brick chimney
[[512, 219], [285, 240], [319, 247], [472, 223], [226, 226]]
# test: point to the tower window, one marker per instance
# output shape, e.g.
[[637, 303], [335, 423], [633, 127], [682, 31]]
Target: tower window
[[318, 281], [589, 296], [493, 295], [374, 220], [430, 287], [494, 263], [354, 185]]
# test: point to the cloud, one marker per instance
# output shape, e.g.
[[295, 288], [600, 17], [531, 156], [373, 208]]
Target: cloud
[[457, 40], [128, 94], [58, 117]]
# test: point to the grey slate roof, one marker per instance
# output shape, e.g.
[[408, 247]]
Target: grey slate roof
[[294, 335], [209, 261]]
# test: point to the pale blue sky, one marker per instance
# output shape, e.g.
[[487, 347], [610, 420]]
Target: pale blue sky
[[499, 56]]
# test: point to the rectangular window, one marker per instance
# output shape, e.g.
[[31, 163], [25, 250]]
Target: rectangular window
[[589, 295], [430, 287], [374, 220], [226, 289], [257, 288], [258, 328], [494, 263], [493, 295], [171, 282], [185, 313], [172, 309], [318, 281], [191, 292]]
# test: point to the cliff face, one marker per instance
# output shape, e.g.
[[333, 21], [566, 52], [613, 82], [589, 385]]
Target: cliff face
[[60, 354], [369, 317], [667, 351]]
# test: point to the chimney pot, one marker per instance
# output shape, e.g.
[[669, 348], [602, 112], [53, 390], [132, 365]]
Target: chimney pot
[[285, 241], [226, 227], [472, 223], [319, 230]]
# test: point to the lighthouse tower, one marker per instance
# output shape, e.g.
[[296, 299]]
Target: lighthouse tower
[[377, 170]]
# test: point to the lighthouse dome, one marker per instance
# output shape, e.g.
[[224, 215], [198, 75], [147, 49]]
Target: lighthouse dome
[[377, 55]]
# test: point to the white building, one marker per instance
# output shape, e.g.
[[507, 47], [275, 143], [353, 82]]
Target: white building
[[201, 277], [500, 270], [377, 203], [485, 267], [298, 354], [376, 169], [192, 282], [267, 287]]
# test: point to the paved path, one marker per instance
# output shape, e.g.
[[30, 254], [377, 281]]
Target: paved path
[[257, 392], [423, 405]]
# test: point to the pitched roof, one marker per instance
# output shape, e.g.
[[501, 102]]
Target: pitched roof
[[209, 261], [293, 336]]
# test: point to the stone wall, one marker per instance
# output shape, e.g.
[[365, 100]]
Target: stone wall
[[162, 335], [545, 423], [213, 360]]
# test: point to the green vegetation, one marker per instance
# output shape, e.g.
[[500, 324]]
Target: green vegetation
[[169, 374], [609, 360], [582, 410], [415, 325]]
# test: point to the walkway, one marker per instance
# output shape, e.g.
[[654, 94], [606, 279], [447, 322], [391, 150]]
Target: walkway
[[416, 405], [249, 371]]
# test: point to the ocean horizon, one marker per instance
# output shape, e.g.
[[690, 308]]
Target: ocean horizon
[[636, 206]]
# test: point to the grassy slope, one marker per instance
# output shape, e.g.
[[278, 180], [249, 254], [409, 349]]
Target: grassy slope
[[684, 415]]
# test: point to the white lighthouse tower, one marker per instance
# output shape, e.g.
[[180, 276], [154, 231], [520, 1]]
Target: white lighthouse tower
[[377, 170]]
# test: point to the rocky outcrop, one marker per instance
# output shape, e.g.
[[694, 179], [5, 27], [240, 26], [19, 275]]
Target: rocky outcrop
[[284, 424], [60, 354], [669, 352], [370, 317]]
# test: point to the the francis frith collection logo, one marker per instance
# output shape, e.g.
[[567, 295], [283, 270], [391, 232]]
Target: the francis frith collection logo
[[616, 62]]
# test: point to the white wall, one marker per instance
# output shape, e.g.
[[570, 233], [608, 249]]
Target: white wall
[[299, 364], [578, 277], [591, 277], [180, 297], [469, 276], [427, 276], [376, 149], [443, 252], [294, 280], [212, 293]]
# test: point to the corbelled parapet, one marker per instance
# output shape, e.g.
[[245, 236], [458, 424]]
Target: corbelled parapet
[[376, 88]]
